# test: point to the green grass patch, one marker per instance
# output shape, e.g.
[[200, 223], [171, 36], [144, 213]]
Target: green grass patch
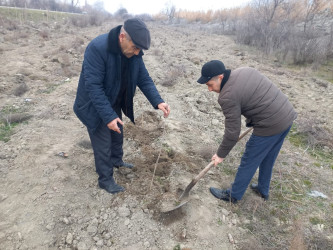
[[6, 110], [316, 220], [6, 131], [10, 117], [177, 247], [297, 138], [325, 157], [307, 183]]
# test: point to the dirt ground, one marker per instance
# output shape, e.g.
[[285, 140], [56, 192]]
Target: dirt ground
[[49, 198]]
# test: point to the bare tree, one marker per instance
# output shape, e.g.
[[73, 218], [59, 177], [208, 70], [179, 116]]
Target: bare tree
[[170, 11], [312, 8], [74, 3]]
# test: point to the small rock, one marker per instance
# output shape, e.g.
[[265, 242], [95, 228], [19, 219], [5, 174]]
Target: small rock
[[124, 212], [320, 227], [246, 221], [100, 243], [94, 221], [146, 244], [50, 226], [130, 176], [69, 239], [92, 230], [184, 233], [107, 236], [225, 212], [127, 221], [81, 246], [3, 197], [231, 239], [223, 218], [66, 221], [19, 236], [215, 122]]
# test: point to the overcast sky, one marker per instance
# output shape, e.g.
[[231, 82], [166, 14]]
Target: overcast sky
[[156, 6]]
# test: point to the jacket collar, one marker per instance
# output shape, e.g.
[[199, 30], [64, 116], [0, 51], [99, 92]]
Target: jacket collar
[[225, 78], [113, 41]]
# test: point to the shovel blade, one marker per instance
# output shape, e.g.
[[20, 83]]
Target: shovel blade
[[169, 210]]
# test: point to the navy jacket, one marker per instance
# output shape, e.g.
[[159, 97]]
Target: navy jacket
[[100, 82]]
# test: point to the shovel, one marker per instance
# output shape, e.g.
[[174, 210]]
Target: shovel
[[185, 195]]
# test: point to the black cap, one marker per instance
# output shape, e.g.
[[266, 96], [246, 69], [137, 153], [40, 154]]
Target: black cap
[[211, 69], [138, 32]]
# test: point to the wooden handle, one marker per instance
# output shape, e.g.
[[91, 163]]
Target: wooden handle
[[203, 172], [186, 192], [209, 166], [244, 134]]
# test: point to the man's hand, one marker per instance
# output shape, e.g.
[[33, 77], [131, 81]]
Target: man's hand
[[217, 159], [113, 125], [165, 108]]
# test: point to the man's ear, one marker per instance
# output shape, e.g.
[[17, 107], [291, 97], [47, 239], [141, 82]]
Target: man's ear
[[122, 36]]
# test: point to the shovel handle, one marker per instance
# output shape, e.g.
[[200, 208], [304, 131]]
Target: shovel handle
[[186, 192], [244, 134], [209, 166], [203, 172]]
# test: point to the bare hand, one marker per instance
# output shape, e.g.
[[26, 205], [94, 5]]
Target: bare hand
[[217, 159], [113, 125], [165, 108]]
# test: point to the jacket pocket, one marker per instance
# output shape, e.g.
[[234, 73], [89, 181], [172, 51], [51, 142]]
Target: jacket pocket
[[87, 114]]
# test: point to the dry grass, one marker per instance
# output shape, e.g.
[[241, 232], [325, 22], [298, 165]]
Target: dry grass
[[316, 133], [21, 89], [44, 34], [297, 242], [173, 75], [14, 117]]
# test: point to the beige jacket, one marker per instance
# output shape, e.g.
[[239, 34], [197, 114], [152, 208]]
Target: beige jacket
[[251, 94]]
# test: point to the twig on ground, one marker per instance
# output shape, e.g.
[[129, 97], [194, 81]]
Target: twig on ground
[[159, 154]]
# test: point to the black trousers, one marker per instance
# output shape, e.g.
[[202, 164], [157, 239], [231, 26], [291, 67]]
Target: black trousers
[[108, 151]]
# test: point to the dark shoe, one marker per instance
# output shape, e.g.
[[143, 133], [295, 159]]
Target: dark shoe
[[124, 164], [222, 195], [255, 189], [112, 188]]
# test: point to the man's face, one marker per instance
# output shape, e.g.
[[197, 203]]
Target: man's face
[[127, 47], [214, 84]]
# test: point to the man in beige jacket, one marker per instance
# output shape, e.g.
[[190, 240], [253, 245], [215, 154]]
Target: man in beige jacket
[[245, 91]]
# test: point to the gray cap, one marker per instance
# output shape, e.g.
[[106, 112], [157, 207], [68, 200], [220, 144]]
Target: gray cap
[[138, 32]]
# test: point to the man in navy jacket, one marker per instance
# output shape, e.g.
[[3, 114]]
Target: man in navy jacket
[[111, 70]]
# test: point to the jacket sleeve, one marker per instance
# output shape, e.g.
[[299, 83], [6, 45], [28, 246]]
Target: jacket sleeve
[[94, 74], [232, 113], [147, 86]]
